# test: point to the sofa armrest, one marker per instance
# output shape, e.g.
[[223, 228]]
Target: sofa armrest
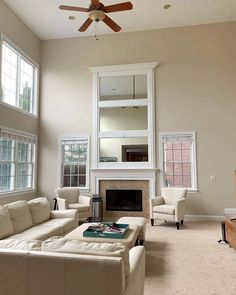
[[62, 204], [180, 207], [70, 213], [135, 280], [85, 200]]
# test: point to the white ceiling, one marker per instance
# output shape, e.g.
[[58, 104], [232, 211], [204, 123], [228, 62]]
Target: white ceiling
[[48, 22]]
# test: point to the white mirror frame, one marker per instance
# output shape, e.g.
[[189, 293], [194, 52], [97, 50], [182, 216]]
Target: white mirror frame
[[147, 69]]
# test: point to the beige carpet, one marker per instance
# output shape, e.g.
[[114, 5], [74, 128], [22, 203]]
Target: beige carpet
[[188, 261]]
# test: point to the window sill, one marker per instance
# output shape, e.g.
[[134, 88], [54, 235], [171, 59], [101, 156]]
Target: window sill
[[18, 109], [16, 193]]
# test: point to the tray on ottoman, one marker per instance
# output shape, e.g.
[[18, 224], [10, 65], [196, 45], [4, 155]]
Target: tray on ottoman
[[107, 230]]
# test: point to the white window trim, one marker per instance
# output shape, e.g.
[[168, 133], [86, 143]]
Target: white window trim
[[59, 169], [36, 78], [194, 157], [34, 181], [125, 70]]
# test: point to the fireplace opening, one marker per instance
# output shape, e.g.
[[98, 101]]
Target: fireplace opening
[[124, 200]]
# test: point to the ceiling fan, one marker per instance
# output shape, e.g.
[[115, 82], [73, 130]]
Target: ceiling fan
[[97, 12]]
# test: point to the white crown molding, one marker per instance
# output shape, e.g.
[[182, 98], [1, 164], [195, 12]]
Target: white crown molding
[[139, 66]]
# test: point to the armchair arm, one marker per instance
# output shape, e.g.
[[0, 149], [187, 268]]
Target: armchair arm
[[71, 213], [155, 202], [180, 207], [135, 281], [62, 204], [85, 200]]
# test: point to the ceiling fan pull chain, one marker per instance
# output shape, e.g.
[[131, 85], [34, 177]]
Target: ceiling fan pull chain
[[96, 30]]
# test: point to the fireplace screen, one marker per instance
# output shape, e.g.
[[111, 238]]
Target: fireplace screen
[[123, 200]]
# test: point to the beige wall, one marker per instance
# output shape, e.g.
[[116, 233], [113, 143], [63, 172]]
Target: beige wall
[[195, 91], [15, 30]]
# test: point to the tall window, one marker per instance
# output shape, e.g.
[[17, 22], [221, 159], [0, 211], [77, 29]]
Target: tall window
[[17, 162], [74, 162], [18, 79], [178, 160]]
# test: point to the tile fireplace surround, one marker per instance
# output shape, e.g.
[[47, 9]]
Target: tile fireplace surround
[[138, 179]]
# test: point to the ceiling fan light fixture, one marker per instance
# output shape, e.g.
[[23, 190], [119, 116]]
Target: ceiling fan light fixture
[[97, 15]]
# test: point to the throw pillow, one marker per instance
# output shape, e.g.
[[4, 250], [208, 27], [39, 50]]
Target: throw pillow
[[6, 227], [20, 215], [39, 209]]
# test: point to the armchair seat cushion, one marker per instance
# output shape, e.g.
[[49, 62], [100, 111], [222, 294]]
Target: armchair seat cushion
[[164, 209], [79, 207]]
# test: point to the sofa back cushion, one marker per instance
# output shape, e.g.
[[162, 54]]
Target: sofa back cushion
[[39, 209], [21, 244], [6, 227], [59, 244], [20, 215]]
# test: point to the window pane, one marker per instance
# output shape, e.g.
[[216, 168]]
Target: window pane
[[177, 162], [74, 156], [18, 79], [6, 177], [26, 86], [9, 74], [6, 149]]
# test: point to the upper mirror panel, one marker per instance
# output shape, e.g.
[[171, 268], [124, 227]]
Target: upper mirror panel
[[123, 87]]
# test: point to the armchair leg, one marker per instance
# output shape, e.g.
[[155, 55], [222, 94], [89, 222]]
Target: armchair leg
[[152, 221], [182, 222], [177, 225]]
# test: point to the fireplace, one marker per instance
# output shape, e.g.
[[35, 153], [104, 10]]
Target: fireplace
[[124, 200]]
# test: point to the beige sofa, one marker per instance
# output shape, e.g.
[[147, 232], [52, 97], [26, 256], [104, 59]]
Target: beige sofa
[[34, 220], [94, 268]]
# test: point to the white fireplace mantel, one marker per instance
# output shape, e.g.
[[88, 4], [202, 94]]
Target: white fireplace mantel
[[124, 174]]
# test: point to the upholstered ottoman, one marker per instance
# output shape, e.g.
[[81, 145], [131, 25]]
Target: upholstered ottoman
[[140, 222]]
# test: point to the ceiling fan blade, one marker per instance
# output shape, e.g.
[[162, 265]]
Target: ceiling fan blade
[[108, 21], [73, 8], [85, 25], [118, 7], [95, 3]]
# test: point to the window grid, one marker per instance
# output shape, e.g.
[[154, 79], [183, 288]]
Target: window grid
[[177, 164], [18, 80], [16, 165], [74, 164]]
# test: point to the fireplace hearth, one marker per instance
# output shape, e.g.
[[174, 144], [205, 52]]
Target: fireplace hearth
[[124, 200]]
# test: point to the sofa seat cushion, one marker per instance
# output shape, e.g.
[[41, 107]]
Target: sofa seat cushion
[[21, 244], [60, 244], [67, 224], [20, 215], [165, 209], [39, 209], [39, 232], [79, 207], [6, 226]]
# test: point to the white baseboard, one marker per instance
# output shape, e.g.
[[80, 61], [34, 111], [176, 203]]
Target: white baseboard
[[204, 217]]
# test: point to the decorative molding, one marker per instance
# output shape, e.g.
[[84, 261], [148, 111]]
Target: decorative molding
[[124, 174], [139, 66]]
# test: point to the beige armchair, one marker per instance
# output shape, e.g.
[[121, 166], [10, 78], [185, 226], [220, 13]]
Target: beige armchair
[[70, 198], [170, 206]]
